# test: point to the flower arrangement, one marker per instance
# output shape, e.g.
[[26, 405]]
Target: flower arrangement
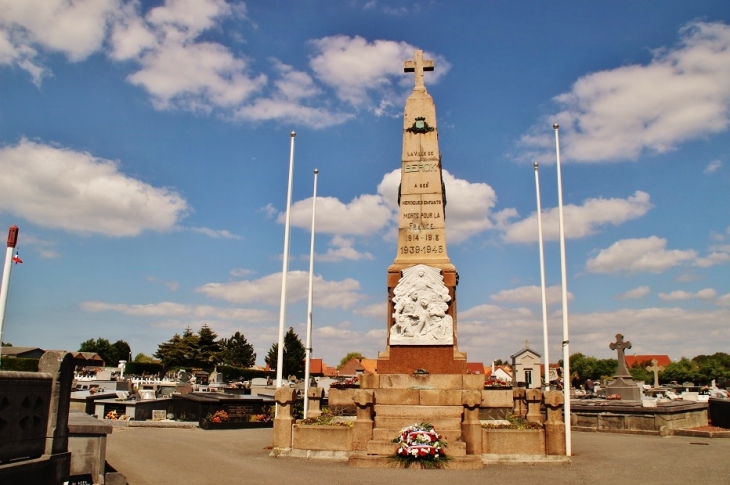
[[266, 416], [515, 422], [494, 383], [116, 417], [327, 419], [614, 397], [351, 383], [420, 444], [218, 417]]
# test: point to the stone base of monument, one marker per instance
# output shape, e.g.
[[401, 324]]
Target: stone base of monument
[[633, 418], [626, 388], [451, 403]]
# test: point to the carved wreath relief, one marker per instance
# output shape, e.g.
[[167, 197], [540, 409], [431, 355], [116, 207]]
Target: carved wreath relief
[[421, 300]]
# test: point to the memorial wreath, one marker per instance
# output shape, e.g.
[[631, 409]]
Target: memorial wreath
[[420, 444]]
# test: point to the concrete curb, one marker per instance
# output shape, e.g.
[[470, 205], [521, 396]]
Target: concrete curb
[[152, 424], [701, 434], [520, 459]]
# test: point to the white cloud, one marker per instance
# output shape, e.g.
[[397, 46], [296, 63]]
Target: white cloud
[[167, 309], [342, 250], [359, 70], [580, 221], [634, 293], [531, 294], [364, 215], [215, 233], [77, 192], [76, 29], [375, 310], [267, 289], [238, 272], [196, 77], [724, 300], [178, 65], [619, 114], [263, 109], [713, 166], [716, 257], [286, 101], [706, 294], [467, 210], [45, 248], [468, 205], [495, 332], [649, 255], [638, 255]]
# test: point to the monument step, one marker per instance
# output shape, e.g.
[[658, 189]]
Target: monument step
[[387, 448], [389, 434], [363, 460], [400, 422], [424, 413]]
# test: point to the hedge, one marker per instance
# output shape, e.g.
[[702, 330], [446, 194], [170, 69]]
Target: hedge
[[19, 364], [138, 368], [236, 373]]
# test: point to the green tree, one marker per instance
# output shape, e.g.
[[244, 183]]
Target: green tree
[[179, 351], [591, 368], [715, 366], [639, 373], [348, 357], [143, 359], [120, 351], [102, 347], [684, 370], [209, 350], [294, 354], [111, 353], [236, 351]]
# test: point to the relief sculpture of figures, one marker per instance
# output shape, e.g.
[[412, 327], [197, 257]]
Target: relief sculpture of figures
[[420, 305]]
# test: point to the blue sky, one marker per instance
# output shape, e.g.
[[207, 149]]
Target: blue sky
[[145, 148]]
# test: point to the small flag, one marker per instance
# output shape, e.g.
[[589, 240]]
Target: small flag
[[16, 258]]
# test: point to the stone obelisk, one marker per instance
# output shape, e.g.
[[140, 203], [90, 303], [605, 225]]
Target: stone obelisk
[[421, 281]]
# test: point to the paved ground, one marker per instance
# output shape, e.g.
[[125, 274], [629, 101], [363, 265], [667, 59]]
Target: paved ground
[[162, 456]]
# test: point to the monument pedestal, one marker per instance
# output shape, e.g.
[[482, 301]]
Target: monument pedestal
[[626, 388]]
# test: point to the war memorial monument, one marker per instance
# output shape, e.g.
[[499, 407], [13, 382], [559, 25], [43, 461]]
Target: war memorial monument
[[421, 374]]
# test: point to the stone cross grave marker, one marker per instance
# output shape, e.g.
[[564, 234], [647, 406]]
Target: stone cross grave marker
[[619, 345], [655, 368]]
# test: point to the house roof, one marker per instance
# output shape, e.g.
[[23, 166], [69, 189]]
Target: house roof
[[504, 368], [351, 368], [328, 371], [662, 360], [19, 351], [316, 366], [524, 351], [475, 367]]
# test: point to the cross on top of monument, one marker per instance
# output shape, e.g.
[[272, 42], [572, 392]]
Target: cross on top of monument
[[619, 345], [417, 66]]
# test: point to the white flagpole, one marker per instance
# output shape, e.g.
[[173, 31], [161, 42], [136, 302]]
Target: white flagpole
[[307, 362], [285, 268], [12, 242], [564, 278], [542, 280]]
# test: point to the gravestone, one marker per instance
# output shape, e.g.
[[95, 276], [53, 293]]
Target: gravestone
[[655, 368], [421, 281], [623, 384]]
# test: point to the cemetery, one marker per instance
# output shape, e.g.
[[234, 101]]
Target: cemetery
[[420, 407]]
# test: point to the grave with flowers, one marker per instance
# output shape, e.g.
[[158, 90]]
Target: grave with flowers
[[421, 407]]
